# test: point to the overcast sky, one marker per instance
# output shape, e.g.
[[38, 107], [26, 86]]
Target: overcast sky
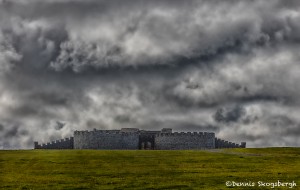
[[230, 67]]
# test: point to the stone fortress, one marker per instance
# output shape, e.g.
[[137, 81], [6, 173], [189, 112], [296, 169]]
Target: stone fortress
[[134, 139]]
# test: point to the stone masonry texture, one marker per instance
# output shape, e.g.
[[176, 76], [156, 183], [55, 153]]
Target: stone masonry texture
[[133, 139]]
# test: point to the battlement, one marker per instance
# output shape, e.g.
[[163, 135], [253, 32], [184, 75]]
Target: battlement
[[176, 134], [129, 130], [95, 131], [166, 130], [106, 132], [219, 143], [67, 143]]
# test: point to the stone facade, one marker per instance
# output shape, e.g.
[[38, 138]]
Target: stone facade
[[133, 139], [183, 141], [105, 139]]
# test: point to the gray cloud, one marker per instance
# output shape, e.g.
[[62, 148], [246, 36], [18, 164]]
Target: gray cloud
[[226, 115], [59, 125], [228, 67]]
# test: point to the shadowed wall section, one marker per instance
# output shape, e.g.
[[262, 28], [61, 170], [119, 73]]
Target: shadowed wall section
[[183, 141]]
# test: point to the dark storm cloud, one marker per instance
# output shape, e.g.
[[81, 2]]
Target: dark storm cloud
[[13, 131], [59, 125], [230, 67], [124, 119], [226, 115]]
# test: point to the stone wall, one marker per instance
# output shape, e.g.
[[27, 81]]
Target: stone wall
[[133, 139], [184, 141], [106, 139], [67, 143], [219, 143]]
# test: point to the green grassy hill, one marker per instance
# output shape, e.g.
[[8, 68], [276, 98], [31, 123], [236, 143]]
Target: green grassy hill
[[96, 169]]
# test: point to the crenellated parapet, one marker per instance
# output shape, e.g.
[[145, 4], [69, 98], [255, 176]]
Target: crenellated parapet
[[187, 134], [67, 143], [219, 143], [106, 132]]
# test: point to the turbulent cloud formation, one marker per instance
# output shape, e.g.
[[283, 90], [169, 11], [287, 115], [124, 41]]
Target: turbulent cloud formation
[[230, 67]]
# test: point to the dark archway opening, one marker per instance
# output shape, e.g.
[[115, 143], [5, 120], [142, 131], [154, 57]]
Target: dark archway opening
[[146, 142]]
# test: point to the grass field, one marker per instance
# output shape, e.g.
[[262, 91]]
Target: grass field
[[95, 169]]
